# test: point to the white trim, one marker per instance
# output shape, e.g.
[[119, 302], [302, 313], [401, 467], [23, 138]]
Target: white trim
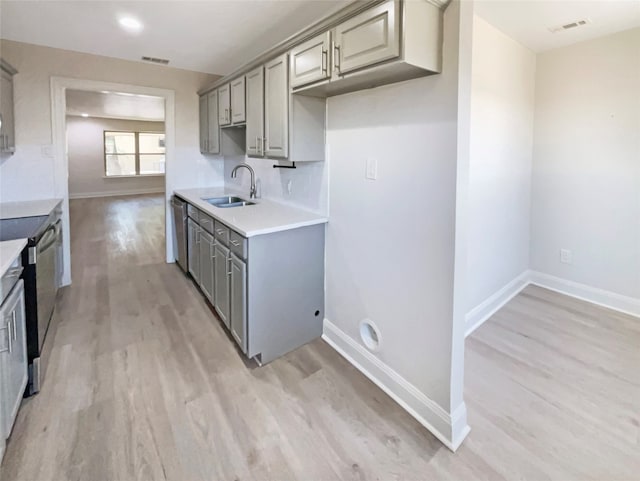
[[611, 300], [115, 193], [449, 429], [59, 85], [594, 295], [137, 176], [487, 308]]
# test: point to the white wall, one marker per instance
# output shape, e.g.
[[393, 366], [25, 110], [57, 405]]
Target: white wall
[[501, 143], [586, 163], [30, 173], [390, 241], [85, 144]]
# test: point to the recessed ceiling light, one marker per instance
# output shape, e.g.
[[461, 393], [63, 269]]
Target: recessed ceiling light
[[85, 115], [130, 24]]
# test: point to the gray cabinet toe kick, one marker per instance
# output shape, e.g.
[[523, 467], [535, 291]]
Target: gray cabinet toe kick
[[267, 290]]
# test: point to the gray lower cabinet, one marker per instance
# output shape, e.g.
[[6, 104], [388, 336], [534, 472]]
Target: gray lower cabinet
[[207, 265], [221, 282], [238, 301], [193, 248], [203, 124], [13, 358], [268, 290]]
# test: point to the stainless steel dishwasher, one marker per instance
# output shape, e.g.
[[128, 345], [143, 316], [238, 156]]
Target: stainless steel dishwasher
[[179, 207]]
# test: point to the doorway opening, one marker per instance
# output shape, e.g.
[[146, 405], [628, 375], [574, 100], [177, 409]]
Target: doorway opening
[[128, 159]]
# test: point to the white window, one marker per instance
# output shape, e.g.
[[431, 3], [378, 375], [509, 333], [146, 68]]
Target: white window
[[133, 153]]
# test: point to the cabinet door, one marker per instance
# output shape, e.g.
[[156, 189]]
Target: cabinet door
[[239, 302], [276, 107], [204, 129], [221, 283], [368, 38], [213, 136], [255, 111], [7, 129], [193, 236], [237, 101], [309, 61], [206, 264], [224, 105], [14, 356]]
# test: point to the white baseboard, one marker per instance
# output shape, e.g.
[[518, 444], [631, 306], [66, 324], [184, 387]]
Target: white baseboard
[[483, 311], [487, 308], [450, 429], [115, 193], [601, 297]]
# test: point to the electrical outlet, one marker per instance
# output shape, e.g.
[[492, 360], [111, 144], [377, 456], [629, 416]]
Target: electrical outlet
[[372, 169], [566, 256]]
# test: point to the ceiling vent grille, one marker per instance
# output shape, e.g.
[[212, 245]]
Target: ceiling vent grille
[[570, 26], [161, 61]]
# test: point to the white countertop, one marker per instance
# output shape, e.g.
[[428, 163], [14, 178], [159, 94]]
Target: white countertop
[[9, 250], [27, 208], [264, 217]]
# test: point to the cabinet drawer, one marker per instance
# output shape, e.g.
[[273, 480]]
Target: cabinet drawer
[[193, 212], [206, 222], [221, 232], [238, 244]]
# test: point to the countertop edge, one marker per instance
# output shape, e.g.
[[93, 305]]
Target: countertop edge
[[194, 200], [10, 250]]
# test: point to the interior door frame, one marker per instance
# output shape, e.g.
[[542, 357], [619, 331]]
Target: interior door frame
[[59, 86]]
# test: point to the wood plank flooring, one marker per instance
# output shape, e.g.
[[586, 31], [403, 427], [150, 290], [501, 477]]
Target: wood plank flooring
[[144, 383]]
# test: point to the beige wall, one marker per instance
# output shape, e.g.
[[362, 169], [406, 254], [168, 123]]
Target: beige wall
[[586, 163], [501, 143], [85, 144], [30, 172]]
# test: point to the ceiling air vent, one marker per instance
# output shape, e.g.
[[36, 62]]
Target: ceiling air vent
[[569, 26], [161, 61]]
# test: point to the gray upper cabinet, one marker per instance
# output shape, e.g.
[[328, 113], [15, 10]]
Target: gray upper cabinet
[[213, 128], [255, 112], [237, 91], [238, 302], [204, 128], [367, 39], [309, 61], [276, 106], [224, 105], [7, 123], [390, 42]]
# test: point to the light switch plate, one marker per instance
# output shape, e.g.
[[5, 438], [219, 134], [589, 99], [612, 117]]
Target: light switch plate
[[566, 256], [372, 169]]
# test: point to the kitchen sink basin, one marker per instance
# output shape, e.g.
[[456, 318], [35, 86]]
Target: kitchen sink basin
[[228, 201]]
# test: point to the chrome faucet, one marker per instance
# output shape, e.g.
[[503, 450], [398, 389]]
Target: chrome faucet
[[234, 173]]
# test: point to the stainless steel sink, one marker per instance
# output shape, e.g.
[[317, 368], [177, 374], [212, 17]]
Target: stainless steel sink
[[228, 201]]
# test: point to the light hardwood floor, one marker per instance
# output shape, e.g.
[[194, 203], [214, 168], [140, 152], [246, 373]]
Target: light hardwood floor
[[144, 383]]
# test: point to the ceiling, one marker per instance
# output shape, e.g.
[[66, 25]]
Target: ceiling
[[528, 21], [213, 36], [114, 105]]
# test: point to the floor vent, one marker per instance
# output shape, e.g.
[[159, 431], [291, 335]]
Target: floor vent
[[161, 61], [570, 26]]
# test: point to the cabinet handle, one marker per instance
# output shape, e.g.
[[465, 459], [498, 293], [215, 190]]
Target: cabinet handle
[[7, 349], [228, 266], [235, 243], [13, 321], [325, 58], [336, 57], [197, 232]]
